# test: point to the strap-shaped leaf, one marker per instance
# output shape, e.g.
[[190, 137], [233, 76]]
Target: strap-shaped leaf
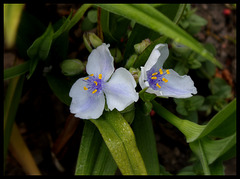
[[94, 157], [148, 16], [16, 70], [121, 142], [143, 130], [209, 151], [11, 103], [40, 48], [193, 131]]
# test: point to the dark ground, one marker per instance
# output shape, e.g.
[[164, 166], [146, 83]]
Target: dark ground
[[41, 116]]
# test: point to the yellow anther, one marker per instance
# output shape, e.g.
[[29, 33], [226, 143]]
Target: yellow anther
[[86, 78], [100, 76], [85, 88], [154, 73], [158, 85], [168, 72], [160, 71], [165, 80], [95, 83], [91, 74], [154, 78], [94, 91]]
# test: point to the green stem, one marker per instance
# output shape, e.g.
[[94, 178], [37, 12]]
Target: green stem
[[167, 115]]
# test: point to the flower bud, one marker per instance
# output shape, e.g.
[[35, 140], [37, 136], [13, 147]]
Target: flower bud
[[91, 41], [131, 61], [116, 53], [71, 67], [140, 47], [179, 48], [135, 73]]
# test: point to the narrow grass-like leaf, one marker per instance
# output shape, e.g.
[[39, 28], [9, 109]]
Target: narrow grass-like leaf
[[140, 32], [16, 70], [104, 164], [40, 48], [120, 140], [148, 16], [94, 157], [198, 150], [220, 117], [77, 16], [11, 103], [63, 28], [21, 153], [179, 13], [90, 143], [216, 148], [12, 16], [145, 138], [193, 131]]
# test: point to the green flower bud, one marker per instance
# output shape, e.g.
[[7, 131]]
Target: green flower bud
[[140, 47], [131, 61], [179, 48], [135, 73], [116, 53], [91, 41], [71, 67]]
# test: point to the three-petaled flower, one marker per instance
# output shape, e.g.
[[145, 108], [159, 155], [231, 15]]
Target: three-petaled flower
[[88, 99], [162, 82]]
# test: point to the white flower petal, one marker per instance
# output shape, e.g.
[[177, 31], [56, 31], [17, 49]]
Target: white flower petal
[[77, 88], [120, 90], [92, 108], [157, 57], [100, 61], [143, 79], [178, 86], [84, 104]]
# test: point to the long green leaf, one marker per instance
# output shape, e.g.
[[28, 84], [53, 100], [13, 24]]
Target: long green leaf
[[220, 117], [40, 48], [11, 103], [148, 16], [16, 70], [90, 143], [198, 150], [193, 131], [77, 16], [94, 157], [104, 164], [12, 17], [140, 32], [216, 148], [143, 130], [120, 140]]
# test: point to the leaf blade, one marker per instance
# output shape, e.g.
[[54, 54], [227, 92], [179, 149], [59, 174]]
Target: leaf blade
[[120, 140], [148, 16]]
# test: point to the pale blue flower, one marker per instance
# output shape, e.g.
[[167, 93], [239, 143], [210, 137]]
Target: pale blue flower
[[162, 82], [89, 93]]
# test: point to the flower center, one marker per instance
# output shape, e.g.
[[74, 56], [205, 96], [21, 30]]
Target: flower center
[[156, 79], [94, 84]]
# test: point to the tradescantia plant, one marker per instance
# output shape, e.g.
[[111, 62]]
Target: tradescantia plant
[[116, 105]]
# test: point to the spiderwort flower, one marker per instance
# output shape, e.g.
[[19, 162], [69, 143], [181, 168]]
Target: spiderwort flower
[[164, 82], [88, 99]]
